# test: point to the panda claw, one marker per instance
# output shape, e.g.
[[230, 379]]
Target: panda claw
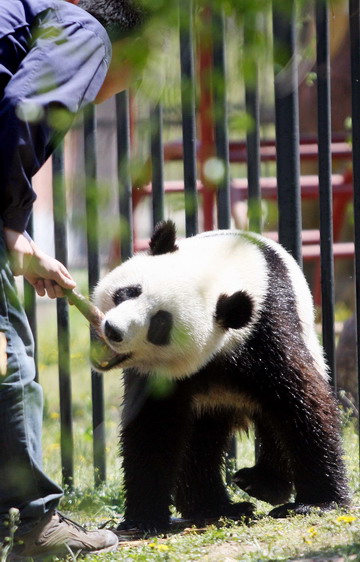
[[291, 509]]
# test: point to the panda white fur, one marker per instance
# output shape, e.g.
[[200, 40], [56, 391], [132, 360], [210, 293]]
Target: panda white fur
[[226, 319]]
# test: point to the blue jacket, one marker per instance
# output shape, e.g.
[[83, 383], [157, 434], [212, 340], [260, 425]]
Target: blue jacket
[[54, 56]]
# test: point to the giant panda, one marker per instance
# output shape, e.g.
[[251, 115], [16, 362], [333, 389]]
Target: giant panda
[[215, 333]]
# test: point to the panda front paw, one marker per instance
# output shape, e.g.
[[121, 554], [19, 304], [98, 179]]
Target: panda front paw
[[290, 509], [143, 527], [240, 510], [206, 516], [263, 485]]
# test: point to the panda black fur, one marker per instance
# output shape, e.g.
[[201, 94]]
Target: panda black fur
[[226, 320]]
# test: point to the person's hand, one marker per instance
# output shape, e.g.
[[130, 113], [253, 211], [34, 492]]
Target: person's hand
[[46, 274]]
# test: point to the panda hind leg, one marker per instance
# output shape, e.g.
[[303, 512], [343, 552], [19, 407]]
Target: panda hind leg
[[270, 479], [200, 493]]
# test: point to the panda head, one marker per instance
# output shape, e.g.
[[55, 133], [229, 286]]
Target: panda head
[[167, 312]]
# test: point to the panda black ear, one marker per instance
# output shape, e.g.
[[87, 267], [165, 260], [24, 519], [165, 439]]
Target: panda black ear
[[163, 238], [235, 311]]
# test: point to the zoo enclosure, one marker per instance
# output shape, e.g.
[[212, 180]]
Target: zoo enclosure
[[210, 199]]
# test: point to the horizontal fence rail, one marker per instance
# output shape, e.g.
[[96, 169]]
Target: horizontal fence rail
[[270, 150]]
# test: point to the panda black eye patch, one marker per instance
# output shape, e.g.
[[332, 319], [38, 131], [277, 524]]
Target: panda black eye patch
[[126, 293], [160, 328]]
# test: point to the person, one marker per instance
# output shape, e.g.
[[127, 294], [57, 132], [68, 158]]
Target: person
[[55, 58]]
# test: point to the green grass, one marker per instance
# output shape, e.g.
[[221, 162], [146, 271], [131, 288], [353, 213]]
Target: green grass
[[335, 534], [266, 540], [328, 536]]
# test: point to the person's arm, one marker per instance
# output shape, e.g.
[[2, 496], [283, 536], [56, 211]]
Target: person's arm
[[62, 72], [46, 274]]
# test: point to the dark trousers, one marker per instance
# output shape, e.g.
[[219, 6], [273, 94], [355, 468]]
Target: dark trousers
[[22, 482]]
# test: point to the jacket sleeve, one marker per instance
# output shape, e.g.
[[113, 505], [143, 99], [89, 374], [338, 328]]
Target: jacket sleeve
[[62, 72]]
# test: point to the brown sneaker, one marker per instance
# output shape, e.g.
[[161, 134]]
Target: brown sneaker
[[58, 535]]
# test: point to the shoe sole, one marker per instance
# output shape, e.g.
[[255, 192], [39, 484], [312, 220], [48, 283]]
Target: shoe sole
[[12, 557]]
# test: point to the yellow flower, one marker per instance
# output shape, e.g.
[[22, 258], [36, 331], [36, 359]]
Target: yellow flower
[[54, 415], [312, 531], [159, 547], [346, 518]]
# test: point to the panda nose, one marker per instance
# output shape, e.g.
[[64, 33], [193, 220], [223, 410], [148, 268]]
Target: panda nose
[[112, 333]]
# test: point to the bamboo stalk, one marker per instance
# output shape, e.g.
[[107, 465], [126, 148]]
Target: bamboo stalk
[[86, 307], [103, 358]]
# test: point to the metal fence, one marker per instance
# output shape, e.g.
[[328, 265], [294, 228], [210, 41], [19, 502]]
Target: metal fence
[[204, 131]]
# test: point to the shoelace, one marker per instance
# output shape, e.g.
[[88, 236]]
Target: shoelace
[[109, 524], [70, 522]]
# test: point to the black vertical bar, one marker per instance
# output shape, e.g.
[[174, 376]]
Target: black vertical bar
[[30, 307], [125, 186], [61, 253], [354, 12], [325, 184], [222, 153], [253, 133], [287, 128], [253, 143], [188, 116], [97, 384], [221, 126], [157, 160]]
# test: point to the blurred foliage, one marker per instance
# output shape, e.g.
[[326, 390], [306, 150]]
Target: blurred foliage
[[253, 23]]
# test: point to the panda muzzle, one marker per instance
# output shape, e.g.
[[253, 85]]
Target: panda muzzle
[[102, 357]]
